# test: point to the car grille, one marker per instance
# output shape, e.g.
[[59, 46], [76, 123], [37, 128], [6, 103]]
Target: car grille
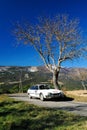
[[56, 94]]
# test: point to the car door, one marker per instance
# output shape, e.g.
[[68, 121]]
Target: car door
[[36, 92], [32, 91]]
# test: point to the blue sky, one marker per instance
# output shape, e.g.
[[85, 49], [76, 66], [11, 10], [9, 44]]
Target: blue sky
[[12, 11]]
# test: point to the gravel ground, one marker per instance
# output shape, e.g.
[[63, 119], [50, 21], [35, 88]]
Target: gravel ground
[[68, 105]]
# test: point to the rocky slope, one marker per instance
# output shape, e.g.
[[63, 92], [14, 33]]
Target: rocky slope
[[70, 77]]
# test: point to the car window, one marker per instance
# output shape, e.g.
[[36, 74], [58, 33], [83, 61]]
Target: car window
[[43, 87], [36, 87], [32, 88]]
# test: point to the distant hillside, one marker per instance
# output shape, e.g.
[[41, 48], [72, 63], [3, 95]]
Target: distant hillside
[[11, 74], [70, 78]]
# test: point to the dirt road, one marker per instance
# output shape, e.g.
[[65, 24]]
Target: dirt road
[[71, 106]]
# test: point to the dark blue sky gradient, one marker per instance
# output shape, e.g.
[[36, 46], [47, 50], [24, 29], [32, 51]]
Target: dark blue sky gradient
[[12, 11]]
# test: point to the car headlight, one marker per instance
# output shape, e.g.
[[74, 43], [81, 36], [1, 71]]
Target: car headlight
[[49, 94]]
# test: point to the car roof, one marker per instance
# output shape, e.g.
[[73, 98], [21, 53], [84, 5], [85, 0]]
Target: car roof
[[40, 84]]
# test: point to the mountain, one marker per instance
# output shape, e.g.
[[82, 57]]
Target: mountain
[[70, 78], [30, 73]]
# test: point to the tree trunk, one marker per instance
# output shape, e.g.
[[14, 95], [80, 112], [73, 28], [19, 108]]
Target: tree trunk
[[55, 79], [83, 85]]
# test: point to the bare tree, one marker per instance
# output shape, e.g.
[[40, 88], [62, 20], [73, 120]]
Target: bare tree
[[83, 77], [56, 39]]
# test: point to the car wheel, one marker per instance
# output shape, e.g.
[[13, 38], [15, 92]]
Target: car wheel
[[29, 96], [62, 95], [41, 97]]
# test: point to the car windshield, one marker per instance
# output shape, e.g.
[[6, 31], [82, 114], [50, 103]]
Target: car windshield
[[44, 87]]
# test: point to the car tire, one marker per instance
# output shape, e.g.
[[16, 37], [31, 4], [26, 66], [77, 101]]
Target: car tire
[[29, 96], [41, 97]]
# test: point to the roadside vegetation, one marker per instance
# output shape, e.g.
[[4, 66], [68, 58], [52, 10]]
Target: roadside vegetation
[[17, 115], [77, 95]]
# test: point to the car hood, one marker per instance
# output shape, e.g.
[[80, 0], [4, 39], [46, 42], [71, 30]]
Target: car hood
[[52, 91]]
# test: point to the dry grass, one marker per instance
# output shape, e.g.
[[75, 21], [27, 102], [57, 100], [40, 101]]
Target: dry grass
[[78, 95]]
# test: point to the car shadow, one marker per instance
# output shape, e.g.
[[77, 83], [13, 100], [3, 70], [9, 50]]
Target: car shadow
[[66, 98]]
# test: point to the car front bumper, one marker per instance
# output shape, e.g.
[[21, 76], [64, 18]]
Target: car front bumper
[[56, 95]]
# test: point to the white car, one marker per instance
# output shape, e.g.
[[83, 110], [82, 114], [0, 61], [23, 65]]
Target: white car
[[44, 92]]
